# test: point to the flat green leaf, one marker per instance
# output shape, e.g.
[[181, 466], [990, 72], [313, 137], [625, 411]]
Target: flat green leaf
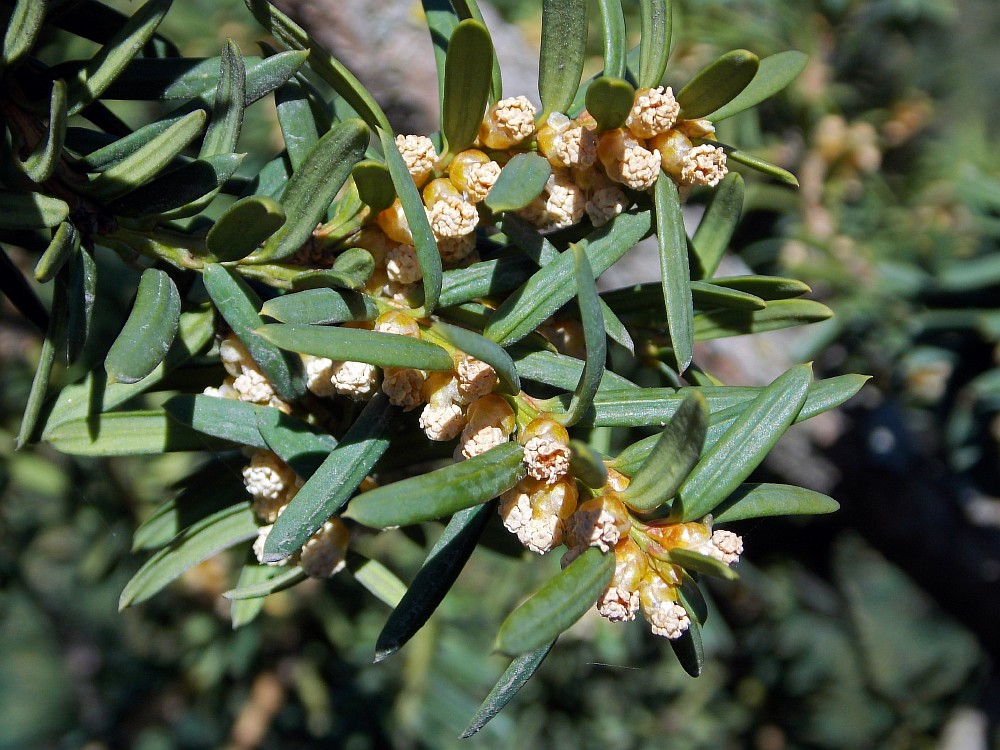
[[244, 226], [170, 78], [216, 485], [764, 287], [264, 580], [521, 180], [615, 329], [239, 304], [223, 418], [31, 211], [416, 218], [197, 79], [472, 315], [313, 187], [116, 54], [279, 276], [692, 599], [149, 331], [324, 111], [81, 290], [483, 349], [148, 160], [262, 77], [350, 270], [322, 62], [716, 228], [717, 84], [610, 100], [783, 313], [626, 408], [557, 605], [760, 500], [434, 579], [671, 460], [377, 578], [357, 345], [97, 151], [587, 465], [469, 9], [333, 483], [294, 442], [615, 41], [22, 30], [94, 394], [298, 127], [689, 648], [346, 215], [725, 403], [709, 296], [319, 306], [230, 102], [128, 433], [674, 272], [595, 340], [563, 51], [526, 237], [743, 446], [178, 188], [641, 302], [511, 681], [560, 371], [374, 184], [211, 535], [656, 19], [765, 167], [244, 611], [699, 563], [440, 492], [467, 78], [55, 332], [41, 163], [553, 286], [775, 72], [484, 279], [65, 242], [441, 20]]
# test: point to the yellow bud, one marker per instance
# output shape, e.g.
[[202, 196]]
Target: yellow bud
[[392, 221], [463, 167], [610, 146], [543, 427], [507, 123], [395, 321], [441, 387], [616, 480], [556, 499], [439, 189], [671, 535], [630, 565], [492, 409], [673, 147], [703, 129]]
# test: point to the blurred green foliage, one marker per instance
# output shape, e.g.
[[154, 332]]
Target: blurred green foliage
[[896, 226]]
